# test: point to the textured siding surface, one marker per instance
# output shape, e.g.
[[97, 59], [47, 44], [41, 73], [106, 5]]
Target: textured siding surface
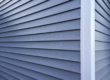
[[40, 40], [102, 40]]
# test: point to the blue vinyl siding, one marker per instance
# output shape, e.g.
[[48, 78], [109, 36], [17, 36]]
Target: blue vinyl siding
[[40, 40], [102, 39]]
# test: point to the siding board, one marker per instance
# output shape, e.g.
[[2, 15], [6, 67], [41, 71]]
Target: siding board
[[40, 40], [102, 35]]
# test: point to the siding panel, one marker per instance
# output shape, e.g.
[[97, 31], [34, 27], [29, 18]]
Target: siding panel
[[40, 40], [102, 39]]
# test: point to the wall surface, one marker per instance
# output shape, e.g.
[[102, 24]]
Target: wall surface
[[40, 40], [102, 39]]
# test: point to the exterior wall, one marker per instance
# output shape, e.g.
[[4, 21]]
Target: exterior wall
[[40, 40], [102, 39]]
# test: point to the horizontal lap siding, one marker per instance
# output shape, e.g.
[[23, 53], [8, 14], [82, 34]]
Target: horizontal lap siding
[[40, 40], [102, 39]]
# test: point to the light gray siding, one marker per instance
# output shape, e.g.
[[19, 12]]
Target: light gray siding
[[40, 39], [102, 39]]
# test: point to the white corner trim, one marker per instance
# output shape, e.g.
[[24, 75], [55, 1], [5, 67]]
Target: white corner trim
[[87, 39]]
